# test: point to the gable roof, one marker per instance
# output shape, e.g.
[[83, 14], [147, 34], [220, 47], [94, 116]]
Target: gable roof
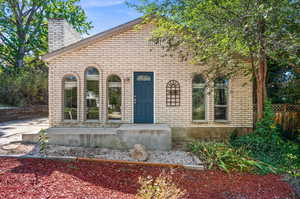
[[87, 41]]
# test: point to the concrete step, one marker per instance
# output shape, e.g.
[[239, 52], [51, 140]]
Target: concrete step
[[76, 131], [152, 136]]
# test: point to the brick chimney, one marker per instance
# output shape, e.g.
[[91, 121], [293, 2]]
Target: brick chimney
[[61, 34]]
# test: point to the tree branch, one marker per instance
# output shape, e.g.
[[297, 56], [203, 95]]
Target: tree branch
[[5, 40], [32, 13], [13, 5], [7, 58], [38, 24]]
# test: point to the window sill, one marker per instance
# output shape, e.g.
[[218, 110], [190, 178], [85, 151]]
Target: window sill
[[92, 121], [200, 121], [222, 121], [70, 121], [115, 121]]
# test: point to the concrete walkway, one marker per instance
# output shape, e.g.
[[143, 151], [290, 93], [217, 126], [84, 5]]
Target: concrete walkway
[[11, 131]]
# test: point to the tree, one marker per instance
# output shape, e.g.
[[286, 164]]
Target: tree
[[283, 83], [23, 39], [23, 27], [237, 36]]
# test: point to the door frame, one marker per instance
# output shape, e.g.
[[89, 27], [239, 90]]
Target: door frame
[[154, 95]]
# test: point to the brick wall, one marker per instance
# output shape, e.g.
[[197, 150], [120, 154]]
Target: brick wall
[[61, 34], [128, 52], [23, 113]]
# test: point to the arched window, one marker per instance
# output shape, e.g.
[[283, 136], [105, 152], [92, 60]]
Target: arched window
[[221, 98], [173, 93], [70, 97], [92, 94], [114, 97], [199, 98]]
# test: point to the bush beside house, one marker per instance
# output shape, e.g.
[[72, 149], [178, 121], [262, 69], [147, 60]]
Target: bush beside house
[[263, 151]]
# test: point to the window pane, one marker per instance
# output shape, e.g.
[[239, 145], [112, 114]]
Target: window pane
[[221, 96], [114, 98], [144, 78], [221, 82], [220, 113], [198, 79], [199, 98], [92, 94], [198, 104], [70, 98]]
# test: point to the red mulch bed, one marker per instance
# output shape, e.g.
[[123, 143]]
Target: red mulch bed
[[36, 178]]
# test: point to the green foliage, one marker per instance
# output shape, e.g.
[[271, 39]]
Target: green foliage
[[23, 28], [23, 39], [224, 31], [223, 156], [266, 144], [27, 87], [43, 142], [160, 188], [229, 37], [283, 83]]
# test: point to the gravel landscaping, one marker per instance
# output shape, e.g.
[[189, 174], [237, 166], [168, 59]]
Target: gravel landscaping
[[36, 178], [170, 157]]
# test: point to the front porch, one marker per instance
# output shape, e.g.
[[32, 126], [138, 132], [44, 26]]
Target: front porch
[[152, 136]]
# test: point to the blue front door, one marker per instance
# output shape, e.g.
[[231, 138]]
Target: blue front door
[[143, 97]]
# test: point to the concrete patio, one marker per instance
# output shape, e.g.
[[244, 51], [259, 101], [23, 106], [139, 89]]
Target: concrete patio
[[12, 131]]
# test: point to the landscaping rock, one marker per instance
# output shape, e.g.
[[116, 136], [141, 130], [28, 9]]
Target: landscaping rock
[[294, 182], [104, 151], [197, 160], [139, 153], [3, 152], [10, 146], [167, 157]]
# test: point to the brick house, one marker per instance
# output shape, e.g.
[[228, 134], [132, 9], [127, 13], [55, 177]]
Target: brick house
[[119, 77]]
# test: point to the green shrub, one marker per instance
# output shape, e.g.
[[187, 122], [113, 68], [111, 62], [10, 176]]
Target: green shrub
[[26, 87], [267, 145], [223, 156], [160, 188]]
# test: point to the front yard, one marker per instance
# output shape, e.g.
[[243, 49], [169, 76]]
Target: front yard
[[36, 178]]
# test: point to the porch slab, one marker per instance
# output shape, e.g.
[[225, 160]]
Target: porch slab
[[152, 136]]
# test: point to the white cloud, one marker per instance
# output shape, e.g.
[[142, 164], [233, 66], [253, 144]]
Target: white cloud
[[100, 3]]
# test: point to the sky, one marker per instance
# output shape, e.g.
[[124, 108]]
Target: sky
[[106, 14]]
